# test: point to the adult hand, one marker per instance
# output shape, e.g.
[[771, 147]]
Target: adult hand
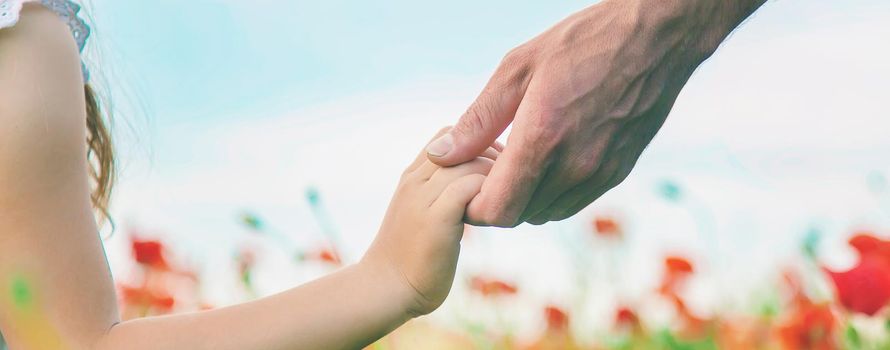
[[585, 98]]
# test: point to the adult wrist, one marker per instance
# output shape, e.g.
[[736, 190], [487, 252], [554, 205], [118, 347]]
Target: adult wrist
[[701, 24]]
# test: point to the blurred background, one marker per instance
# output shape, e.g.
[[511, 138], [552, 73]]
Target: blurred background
[[260, 143]]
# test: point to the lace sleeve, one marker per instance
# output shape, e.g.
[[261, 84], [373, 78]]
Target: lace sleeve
[[9, 12], [66, 9]]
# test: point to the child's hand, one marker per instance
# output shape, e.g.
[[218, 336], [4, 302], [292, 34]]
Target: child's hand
[[419, 240]]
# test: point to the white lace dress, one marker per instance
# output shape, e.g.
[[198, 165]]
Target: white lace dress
[[66, 9]]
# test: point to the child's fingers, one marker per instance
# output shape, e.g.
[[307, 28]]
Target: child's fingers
[[453, 200], [422, 156], [491, 153], [498, 146], [428, 169], [444, 176]]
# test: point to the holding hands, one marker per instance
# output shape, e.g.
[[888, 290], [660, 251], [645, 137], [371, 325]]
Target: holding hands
[[419, 240]]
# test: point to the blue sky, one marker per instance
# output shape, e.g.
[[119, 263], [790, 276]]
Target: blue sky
[[243, 105], [219, 59], [216, 59]]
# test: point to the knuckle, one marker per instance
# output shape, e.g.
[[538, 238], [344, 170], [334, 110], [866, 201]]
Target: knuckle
[[479, 165], [547, 115], [605, 172], [569, 210], [539, 220], [478, 115], [505, 219], [540, 135], [549, 125], [410, 175], [514, 66], [496, 214], [517, 57], [619, 177], [449, 193], [412, 180], [543, 148], [614, 173], [405, 183], [563, 215], [578, 171]]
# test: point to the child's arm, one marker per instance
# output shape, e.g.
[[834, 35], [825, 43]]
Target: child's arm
[[407, 272], [55, 287]]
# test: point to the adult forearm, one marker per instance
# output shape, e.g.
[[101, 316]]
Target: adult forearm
[[703, 24], [345, 310]]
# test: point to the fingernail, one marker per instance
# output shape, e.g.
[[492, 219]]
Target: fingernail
[[441, 146]]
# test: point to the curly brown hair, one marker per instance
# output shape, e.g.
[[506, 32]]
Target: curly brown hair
[[100, 153]]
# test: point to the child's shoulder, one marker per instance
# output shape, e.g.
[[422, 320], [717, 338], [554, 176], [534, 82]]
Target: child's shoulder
[[65, 11], [10, 11], [41, 88], [36, 34]]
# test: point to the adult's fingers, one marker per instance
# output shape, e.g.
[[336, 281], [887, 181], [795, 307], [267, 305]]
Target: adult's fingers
[[575, 165], [579, 197], [487, 117], [515, 175], [583, 202], [617, 169], [421, 157], [626, 145]]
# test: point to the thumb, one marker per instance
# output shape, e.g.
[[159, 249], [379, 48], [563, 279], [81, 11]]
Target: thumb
[[478, 128]]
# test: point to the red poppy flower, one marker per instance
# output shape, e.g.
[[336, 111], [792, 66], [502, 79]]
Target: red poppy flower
[[677, 265], [625, 318], [607, 227], [870, 246], [557, 318], [149, 253], [866, 287], [557, 335], [144, 298], [676, 270], [492, 287], [811, 328], [323, 255]]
